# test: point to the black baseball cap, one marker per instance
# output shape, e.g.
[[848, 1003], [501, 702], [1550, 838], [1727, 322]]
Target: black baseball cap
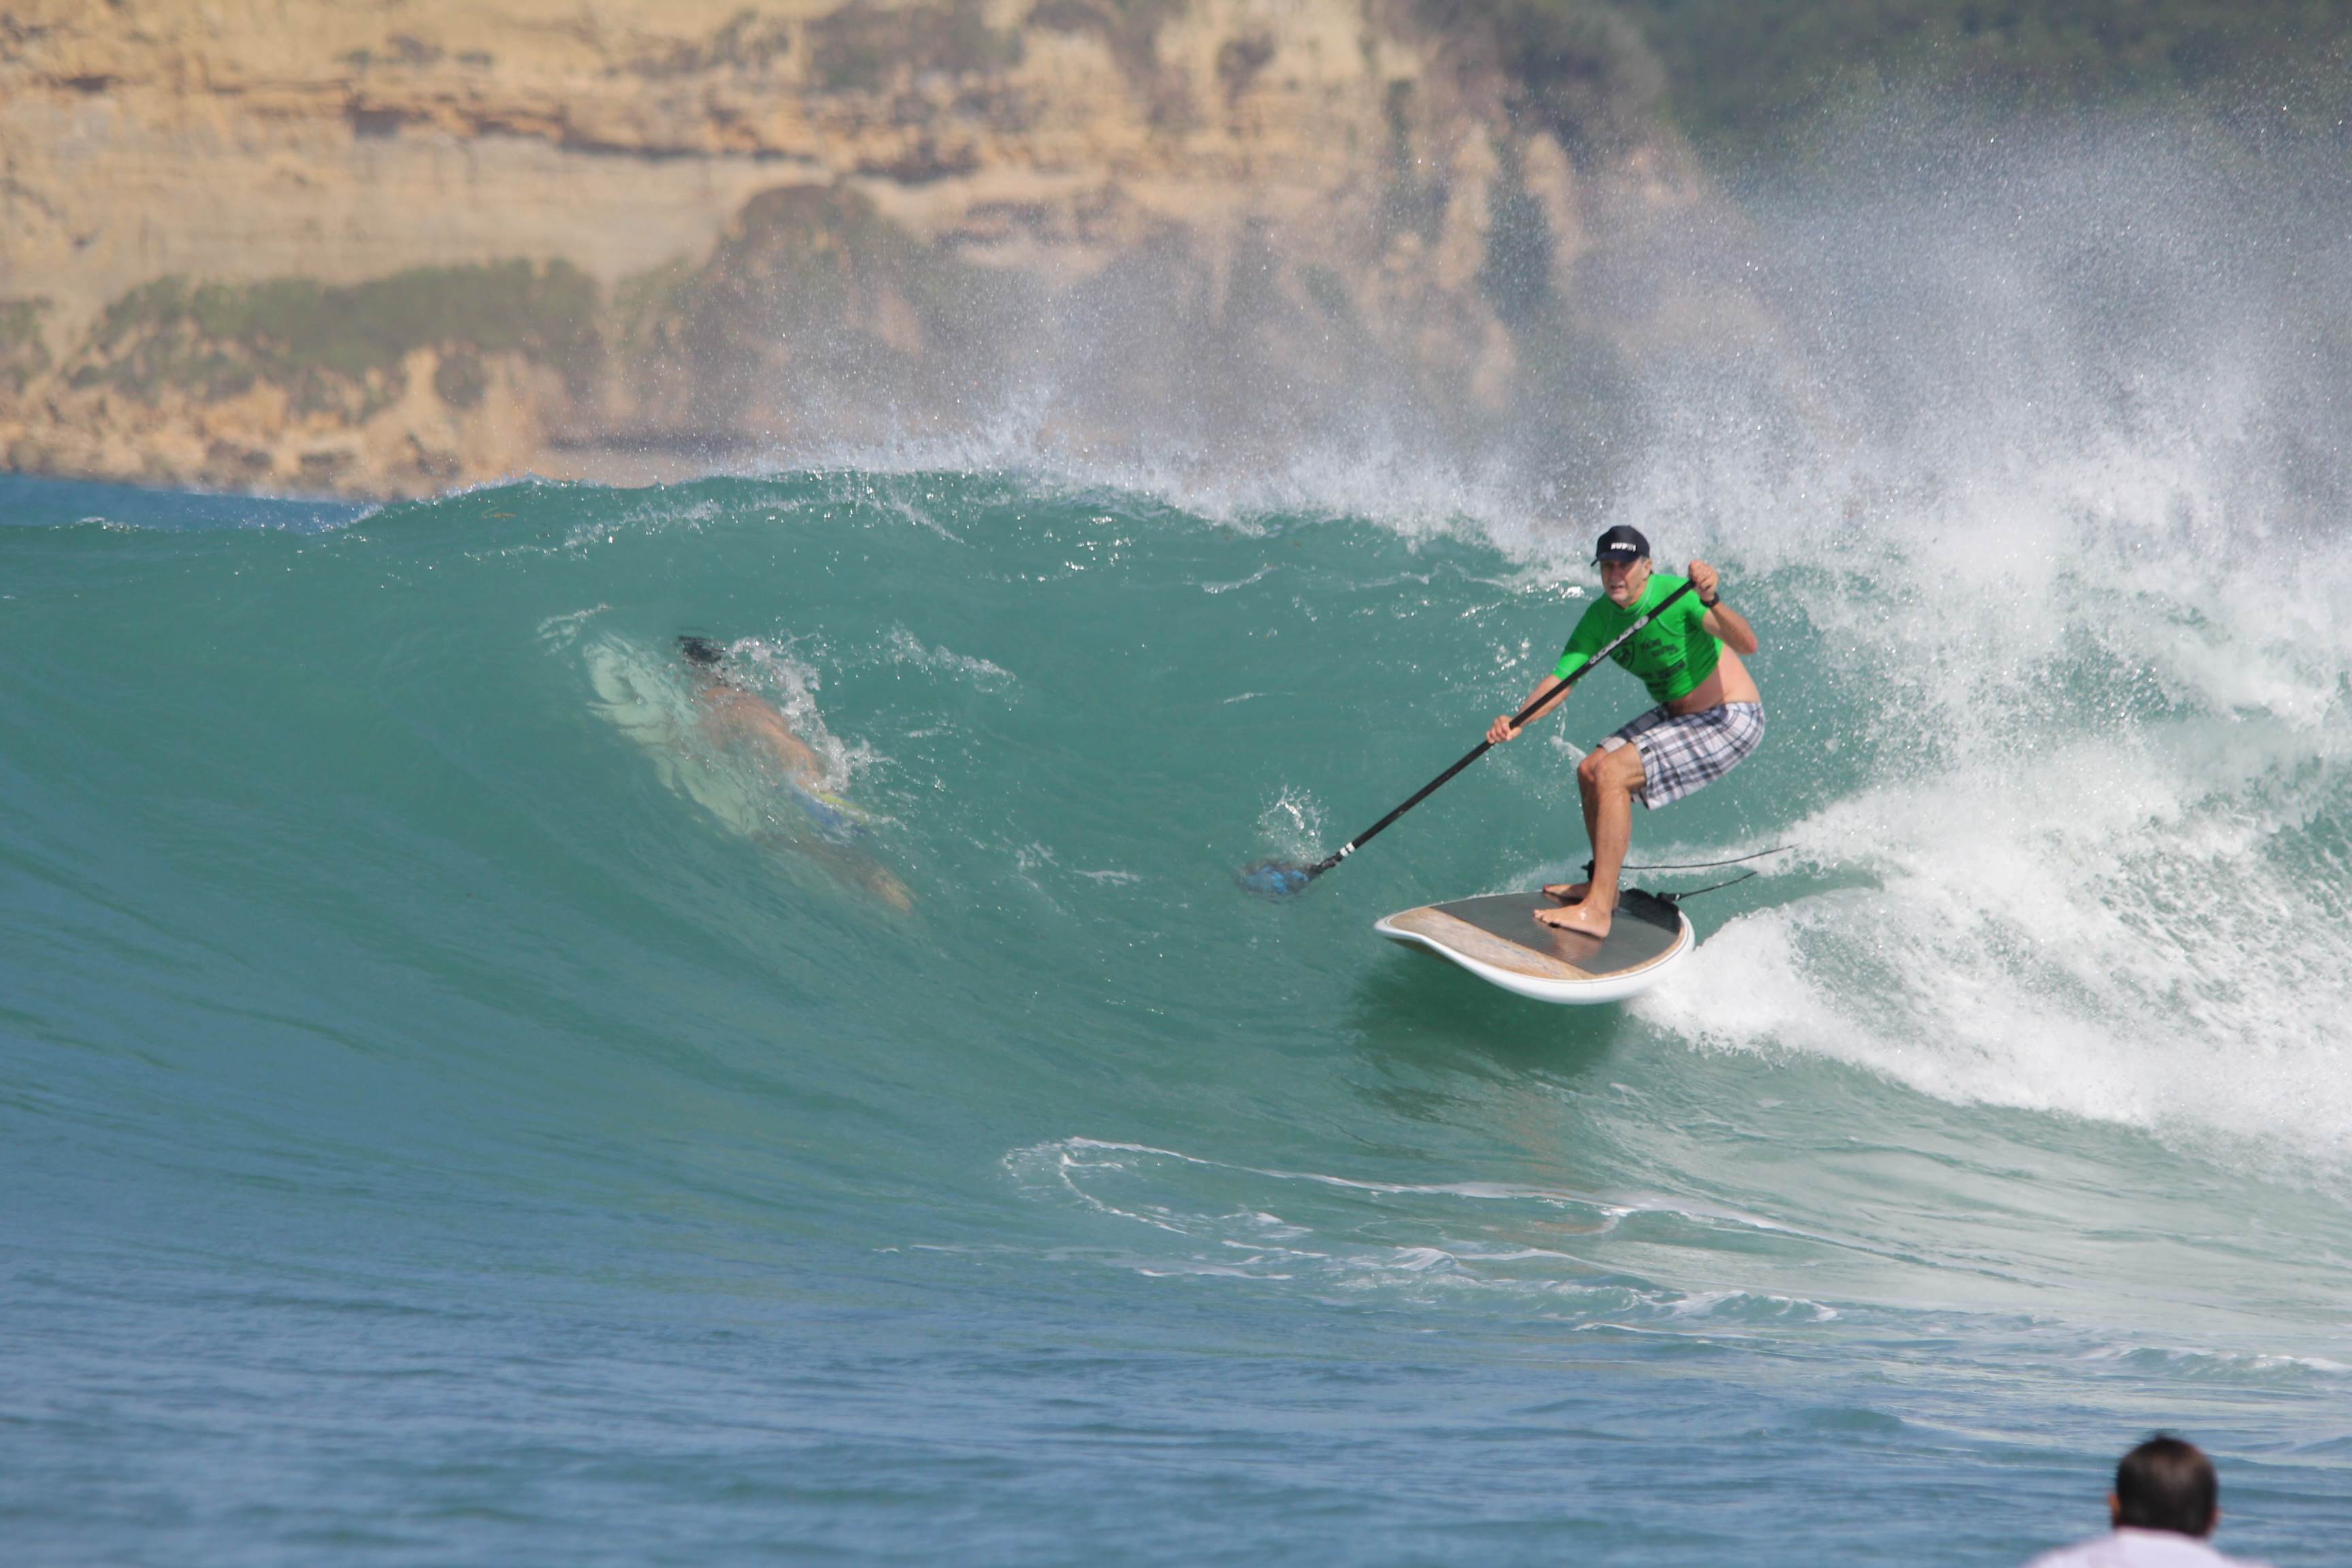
[[1620, 544]]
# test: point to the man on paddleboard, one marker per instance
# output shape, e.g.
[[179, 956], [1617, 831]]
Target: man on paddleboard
[[1710, 715]]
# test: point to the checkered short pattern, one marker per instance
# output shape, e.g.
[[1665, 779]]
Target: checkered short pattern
[[1680, 755]]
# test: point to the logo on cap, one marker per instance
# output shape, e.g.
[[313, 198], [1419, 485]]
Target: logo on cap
[[1620, 544]]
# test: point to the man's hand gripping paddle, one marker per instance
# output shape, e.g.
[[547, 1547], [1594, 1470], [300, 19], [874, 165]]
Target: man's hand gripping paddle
[[1280, 878]]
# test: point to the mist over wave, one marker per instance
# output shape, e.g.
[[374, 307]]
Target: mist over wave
[[2042, 432], [2075, 537]]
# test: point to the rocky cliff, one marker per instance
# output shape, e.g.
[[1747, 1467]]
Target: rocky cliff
[[387, 246]]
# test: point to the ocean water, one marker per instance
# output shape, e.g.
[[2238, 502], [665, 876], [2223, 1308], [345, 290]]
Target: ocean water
[[435, 1131], [454, 1110]]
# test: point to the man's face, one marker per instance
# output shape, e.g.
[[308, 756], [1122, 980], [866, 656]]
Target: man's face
[[1624, 580]]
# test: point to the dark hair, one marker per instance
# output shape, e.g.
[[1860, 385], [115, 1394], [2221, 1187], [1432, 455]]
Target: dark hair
[[2167, 1484], [702, 651]]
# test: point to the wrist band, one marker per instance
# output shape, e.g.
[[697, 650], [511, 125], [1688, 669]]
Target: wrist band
[[1711, 604]]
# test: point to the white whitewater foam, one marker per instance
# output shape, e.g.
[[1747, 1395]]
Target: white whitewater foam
[[906, 647], [2100, 712], [1181, 1214]]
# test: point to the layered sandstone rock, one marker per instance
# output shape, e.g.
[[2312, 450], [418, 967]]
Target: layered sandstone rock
[[387, 247]]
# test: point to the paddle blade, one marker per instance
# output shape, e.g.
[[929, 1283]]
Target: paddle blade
[[1274, 878]]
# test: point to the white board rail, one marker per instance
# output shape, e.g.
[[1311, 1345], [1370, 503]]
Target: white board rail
[[1496, 938]]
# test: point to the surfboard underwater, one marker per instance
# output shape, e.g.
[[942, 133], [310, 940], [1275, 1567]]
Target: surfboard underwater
[[1496, 938]]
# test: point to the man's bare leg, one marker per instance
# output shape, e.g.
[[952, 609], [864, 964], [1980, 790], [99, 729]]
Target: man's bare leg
[[1573, 893], [1615, 774]]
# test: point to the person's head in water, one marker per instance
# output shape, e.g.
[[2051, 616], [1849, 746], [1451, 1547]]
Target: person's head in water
[[2165, 1484], [702, 653], [1623, 557]]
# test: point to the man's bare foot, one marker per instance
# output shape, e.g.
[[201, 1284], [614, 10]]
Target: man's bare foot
[[1582, 919], [1568, 892]]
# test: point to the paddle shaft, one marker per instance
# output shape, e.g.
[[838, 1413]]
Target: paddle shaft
[[1483, 747]]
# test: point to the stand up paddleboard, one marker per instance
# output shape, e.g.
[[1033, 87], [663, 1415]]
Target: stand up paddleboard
[[1496, 938]]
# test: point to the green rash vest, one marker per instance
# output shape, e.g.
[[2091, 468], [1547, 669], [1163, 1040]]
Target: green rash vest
[[1671, 655]]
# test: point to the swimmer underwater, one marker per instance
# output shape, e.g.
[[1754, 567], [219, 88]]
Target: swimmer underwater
[[733, 716], [1709, 716], [730, 714]]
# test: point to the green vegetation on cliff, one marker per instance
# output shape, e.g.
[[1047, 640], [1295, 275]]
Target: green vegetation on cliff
[[809, 291], [1743, 76], [865, 46], [23, 353], [1129, 28], [1742, 73], [1578, 68], [329, 345]]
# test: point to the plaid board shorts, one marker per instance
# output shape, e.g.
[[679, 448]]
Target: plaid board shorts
[[1683, 755]]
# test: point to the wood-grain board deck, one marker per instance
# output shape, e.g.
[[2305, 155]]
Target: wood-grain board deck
[[1500, 928]]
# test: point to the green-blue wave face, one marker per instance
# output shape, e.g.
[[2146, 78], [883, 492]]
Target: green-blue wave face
[[453, 1115]]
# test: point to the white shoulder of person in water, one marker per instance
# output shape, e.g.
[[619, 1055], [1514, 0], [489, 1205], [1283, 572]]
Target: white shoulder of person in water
[[1708, 718], [2165, 1505], [731, 715]]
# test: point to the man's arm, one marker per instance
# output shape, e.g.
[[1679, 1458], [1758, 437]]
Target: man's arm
[[1501, 729], [1721, 620], [1586, 640]]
